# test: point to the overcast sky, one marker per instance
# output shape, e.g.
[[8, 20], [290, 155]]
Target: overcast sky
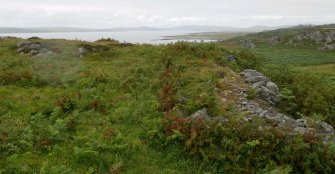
[[164, 13]]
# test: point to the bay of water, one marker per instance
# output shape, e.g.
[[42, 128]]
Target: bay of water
[[151, 37]]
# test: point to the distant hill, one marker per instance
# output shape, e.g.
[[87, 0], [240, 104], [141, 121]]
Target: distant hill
[[43, 30], [68, 29], [226, 28], [194, 28]]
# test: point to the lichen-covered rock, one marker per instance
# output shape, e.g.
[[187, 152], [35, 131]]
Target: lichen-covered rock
[[300, 130], [275, 40], [272, 87], [328, 47], [44, 53], [231, 58], [201, 115], [265, 89], [82, 50], [319, 37], [33, 47], [257, 85], [255, 79], [301, 123], [247, 44], [23, 43], [326, 128], [250, 73]]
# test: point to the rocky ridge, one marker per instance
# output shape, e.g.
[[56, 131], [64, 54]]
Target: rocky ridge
[[263, 107], [325, 39]]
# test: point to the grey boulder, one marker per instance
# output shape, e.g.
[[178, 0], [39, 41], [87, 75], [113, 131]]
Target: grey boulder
[[201, 115]]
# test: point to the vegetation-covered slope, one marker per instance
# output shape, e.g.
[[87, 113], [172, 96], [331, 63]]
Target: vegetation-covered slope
[[123, 108], [301, 45]]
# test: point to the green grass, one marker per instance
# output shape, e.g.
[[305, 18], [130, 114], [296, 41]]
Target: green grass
[[327, 69], [89, 115], [294, 56]]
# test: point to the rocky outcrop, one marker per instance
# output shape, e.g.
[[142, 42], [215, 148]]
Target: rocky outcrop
[[261, 108], [85, 48], [286, 123], [33, 47], [328, 47], [269, 92], [247, 43], [275, 40], [82, 51], [264, 88], [326, 38]]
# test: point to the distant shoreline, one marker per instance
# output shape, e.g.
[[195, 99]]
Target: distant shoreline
[[207, 36]]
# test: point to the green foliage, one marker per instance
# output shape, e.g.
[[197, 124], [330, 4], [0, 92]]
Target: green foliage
[[51, 169], [247, 60], [194, 50], [86, 156], [287, 102], [305, 92], [247, 149], [251, 94]]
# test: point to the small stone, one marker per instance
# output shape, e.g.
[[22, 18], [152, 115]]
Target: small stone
[[201, 115], [325, 127], [34, 47], [263, 113], [274, 118], [182, 99], [33, 53], [250, 72], [231, 58], [301, 123], [272, 87], [82, 50], [300, 130]]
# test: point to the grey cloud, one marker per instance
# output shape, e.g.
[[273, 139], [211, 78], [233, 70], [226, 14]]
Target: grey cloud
[[119, 13]]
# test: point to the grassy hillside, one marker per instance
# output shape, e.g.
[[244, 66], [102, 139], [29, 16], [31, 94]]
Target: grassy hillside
[[115, 111], [64, 114], [305, 55]]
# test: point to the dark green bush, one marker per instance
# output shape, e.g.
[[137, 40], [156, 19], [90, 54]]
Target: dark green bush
[[247, 60]]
